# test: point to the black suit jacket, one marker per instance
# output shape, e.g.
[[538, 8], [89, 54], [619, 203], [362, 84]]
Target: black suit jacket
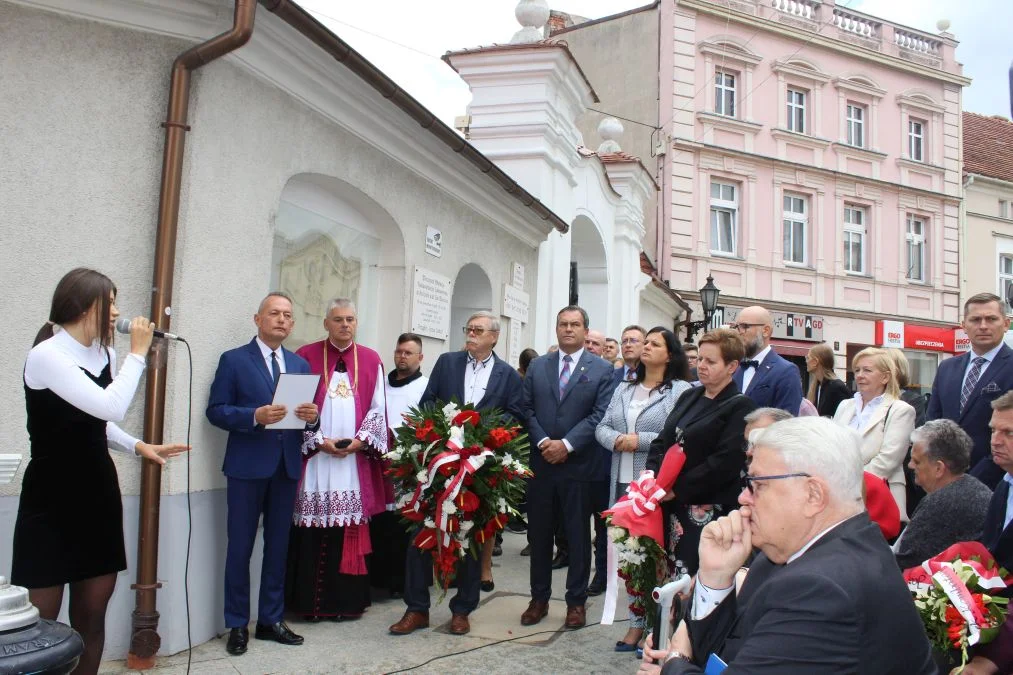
[[504, 390], [714, 445], [833, 392], [945, 403], [842, 607], [997, 539]]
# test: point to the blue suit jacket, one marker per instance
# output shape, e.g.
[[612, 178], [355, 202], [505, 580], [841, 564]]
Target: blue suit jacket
[[775, 384], [573, 417], [504, 390], [994, 536], [242, 384], [945, 403]]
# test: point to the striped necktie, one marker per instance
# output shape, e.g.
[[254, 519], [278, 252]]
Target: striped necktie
[[972, 379], [564, 376]]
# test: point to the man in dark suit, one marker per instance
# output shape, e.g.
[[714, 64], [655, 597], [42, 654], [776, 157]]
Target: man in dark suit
[[262, 467], [565, 395], [824, 594], [763, 375], [632, 344], [479, 377], [966, 385]]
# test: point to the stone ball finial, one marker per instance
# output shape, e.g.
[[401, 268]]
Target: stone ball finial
[[532, 15], [943, 25], [610, 129]]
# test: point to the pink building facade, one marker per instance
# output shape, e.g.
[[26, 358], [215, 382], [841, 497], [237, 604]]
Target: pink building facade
[[814, 168]]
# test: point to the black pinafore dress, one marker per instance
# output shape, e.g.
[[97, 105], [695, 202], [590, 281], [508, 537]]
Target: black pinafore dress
[[70, 517]]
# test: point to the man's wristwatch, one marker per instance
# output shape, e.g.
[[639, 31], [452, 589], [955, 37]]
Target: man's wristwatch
[[676, 654]]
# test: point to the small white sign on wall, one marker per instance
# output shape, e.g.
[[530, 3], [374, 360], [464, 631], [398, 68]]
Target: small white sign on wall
[[515, 303], [515, 344], [434, 242], [431, 294], [518, 276]]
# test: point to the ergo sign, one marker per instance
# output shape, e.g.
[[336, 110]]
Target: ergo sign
[[897, 334]]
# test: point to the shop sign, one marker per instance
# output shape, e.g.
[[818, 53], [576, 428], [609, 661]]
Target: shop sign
[[899, 335], [787, 326], [961, 343]]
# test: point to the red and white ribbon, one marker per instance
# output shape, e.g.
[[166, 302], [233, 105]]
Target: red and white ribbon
[[960, 596]]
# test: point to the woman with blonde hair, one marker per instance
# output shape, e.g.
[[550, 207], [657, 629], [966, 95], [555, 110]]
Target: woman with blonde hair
[[826, 391], [884, 421]]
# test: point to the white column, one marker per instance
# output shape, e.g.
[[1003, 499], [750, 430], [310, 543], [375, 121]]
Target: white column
[[553, 287]]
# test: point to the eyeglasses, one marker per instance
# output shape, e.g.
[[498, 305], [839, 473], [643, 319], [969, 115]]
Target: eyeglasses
[[398, 354], [743, 327], [747, 480], [478, 331], [631, 341]]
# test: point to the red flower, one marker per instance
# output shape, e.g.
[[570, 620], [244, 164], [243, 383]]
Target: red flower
[[426, 539], [470, 416], [449, 468], [467, 501], [470, 451], [492, 480], [411, 514], [468, 479], [498, 437], [421, 432]]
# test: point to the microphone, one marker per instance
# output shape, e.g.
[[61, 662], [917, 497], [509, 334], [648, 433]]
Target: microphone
[[123, 326]]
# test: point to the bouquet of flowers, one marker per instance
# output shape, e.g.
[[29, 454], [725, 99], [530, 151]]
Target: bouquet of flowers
[[955, 596], [459, 474], [636, 538]]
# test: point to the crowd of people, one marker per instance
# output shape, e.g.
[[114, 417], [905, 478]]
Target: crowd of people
[[795, 514]]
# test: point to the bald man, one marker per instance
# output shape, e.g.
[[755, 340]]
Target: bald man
[[763, 375], [594, 342]]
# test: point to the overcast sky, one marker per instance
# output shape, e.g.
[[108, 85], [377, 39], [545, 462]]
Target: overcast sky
[[405, 39]]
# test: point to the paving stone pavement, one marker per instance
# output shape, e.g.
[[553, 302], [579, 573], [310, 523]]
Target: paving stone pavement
[[365, 646]]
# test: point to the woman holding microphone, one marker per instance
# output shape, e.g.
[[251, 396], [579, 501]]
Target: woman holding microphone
[[69, 528]]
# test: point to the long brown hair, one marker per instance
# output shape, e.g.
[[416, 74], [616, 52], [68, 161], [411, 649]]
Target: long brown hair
[[74, 295], [824, 356]]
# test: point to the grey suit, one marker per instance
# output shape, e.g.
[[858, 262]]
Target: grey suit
[[573, 417]]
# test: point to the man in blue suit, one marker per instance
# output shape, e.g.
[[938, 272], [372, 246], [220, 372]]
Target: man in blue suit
[[479, 377], [763, 375], [262, 467], [965, 386], [566, 394]]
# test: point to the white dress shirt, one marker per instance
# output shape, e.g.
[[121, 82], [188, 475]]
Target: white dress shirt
[[864, 411], [476, 378], [989, 356], [749, 373], [267, 351]]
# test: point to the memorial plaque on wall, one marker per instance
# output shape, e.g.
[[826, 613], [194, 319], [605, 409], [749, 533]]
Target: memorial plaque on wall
[[514, 348], [517, 276], [515, 303], [431, 293]]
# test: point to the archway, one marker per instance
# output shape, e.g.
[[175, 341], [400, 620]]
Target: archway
[[472, 293], [331, 240], [587, 250]]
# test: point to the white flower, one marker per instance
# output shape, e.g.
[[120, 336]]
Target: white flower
[[617, 534], [449, 508], [634, 545], [430, 523], [466, 526], [403, 500], [450, 411], [415, 448], [421, 476], [507, 460], [502, 505]]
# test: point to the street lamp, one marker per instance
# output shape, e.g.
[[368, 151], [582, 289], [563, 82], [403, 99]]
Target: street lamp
[[709, 300]]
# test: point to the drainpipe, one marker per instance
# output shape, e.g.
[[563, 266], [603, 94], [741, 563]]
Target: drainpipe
[[144, 638]]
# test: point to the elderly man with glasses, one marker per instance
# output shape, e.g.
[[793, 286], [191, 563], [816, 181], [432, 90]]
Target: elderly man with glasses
[[823, 595], [765, 377]]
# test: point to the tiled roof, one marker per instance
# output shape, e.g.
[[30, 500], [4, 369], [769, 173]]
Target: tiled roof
[[616, 157], [988, 146], [647, 268]]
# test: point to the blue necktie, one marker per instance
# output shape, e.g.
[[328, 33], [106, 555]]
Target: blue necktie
[[564, 376], [972, 379], [275, 368]]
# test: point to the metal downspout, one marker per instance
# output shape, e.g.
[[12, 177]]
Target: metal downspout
[[144, 638]]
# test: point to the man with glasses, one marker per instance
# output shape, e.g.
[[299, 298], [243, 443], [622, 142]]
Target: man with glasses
[[966, 385], [765, 377], [823, 594], [474, 376], [632, 344]]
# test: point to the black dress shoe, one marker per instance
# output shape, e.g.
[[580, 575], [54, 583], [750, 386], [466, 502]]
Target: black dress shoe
[[279, 633], [497, 550], [488, 586], [597, 585], [560, 561], [526, 551], [238, 639]]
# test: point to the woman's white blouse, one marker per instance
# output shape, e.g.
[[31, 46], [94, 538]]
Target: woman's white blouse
[[56, 364]]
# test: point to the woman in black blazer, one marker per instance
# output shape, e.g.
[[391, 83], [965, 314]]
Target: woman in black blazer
[[826, 391], [711, 419]]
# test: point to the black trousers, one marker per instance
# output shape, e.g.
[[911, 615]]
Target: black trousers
[[600, 502], [570, 502]]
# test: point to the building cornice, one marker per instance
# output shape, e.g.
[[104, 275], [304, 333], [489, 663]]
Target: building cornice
[[728, 52], [850, 85], [728, 12], [920, 166], [919, 103], [862, 153], [729, 123], [988, 180], [814, 142], [788, 68]]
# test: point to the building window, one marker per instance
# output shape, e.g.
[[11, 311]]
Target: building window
[[915, 249], [854, 239], [1005, 274], [796, 111], [724, 93], [856, 125], [916, 140], [1003, 208], [724, 218], [796, 221]]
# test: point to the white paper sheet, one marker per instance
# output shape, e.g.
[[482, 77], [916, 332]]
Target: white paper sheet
[[293, 390]]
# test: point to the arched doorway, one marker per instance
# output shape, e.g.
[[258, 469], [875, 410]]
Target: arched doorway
[[331, 240], [472, 293], [587, 250]]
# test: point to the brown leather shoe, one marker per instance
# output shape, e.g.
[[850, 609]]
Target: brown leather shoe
[[536, 611], [575, 617], [410, 622], [459, 624]]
